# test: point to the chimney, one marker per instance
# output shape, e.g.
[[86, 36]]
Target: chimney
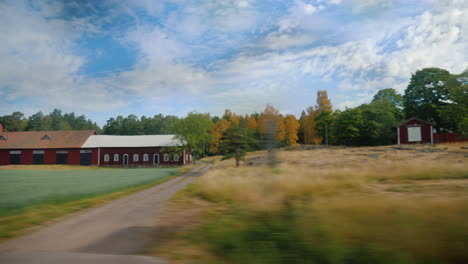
[[1, 127]]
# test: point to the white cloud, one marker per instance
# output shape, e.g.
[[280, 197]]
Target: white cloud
[[38, 59]]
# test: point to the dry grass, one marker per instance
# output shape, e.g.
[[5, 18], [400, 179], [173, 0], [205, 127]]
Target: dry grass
[[412, 199]]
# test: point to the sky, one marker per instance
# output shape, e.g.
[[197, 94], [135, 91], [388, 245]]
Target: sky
[[109, 57]]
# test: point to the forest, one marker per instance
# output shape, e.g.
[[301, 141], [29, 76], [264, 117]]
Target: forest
[[433, 94]]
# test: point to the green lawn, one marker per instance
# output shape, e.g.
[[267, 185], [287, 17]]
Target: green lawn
[[24, 188]]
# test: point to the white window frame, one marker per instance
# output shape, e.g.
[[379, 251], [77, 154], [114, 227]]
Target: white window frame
[[176, 157], [145, 157], [414, 134], [166, 157], [116, 157], [106, 158], [136, 157]]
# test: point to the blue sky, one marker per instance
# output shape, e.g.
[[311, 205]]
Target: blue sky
[[107, 58]]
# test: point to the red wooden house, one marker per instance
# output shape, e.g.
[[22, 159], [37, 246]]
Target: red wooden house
[[415, 130], [86, 148]]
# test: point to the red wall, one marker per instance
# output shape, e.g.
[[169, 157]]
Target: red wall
[[26, 156], [50, 156], [448, 137], [140, 151], [425, 132], [74, 156], [4, 157]]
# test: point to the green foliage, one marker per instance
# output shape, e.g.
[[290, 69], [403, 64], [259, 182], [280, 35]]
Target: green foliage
[[131, 125], [391, 95], [455, 114], [427, 94], [235, 142], [14, 122], [196, 131], [346, 127], [323, 121], [40, 122]]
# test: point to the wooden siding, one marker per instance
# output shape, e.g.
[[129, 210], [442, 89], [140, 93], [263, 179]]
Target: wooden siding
[[425, 131]]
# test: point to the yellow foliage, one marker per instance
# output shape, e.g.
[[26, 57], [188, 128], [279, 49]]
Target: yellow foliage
[[218, 128], [251, 122], [309, 125], [291, 128]]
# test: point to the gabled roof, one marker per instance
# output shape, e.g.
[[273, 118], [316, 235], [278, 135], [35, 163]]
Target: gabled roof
[[414, 119], [34, 139], [106, 141]]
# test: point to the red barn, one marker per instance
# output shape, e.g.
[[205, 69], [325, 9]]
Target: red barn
[[415, 130], [42, 147], [148, 150], [84, 147]]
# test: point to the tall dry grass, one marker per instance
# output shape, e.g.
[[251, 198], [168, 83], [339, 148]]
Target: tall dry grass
[[352, 195]]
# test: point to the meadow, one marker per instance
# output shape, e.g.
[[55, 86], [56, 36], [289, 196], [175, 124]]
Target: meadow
[[393, 204], [30, 195]]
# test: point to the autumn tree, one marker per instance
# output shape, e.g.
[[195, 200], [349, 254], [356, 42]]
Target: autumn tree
[[323, 114], [310, 127], [291, 126], [218, 129]]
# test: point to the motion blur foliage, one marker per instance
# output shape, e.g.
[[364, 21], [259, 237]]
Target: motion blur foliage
[[291, 235]]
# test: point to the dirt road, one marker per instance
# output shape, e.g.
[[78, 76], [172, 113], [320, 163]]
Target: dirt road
[[111, 233]]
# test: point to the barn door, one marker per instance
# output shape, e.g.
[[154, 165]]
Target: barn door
[[15, 157], [125, 159], [155, 159], [62, 158], [38, 157], [85, 157]]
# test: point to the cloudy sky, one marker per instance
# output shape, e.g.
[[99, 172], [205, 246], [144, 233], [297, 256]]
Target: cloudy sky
[[111, 57]]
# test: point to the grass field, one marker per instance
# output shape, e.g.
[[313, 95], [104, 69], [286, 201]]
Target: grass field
[[394, 204], [33, 195]]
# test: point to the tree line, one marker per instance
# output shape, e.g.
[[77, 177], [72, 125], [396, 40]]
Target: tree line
[[433, 94], [54, 121]]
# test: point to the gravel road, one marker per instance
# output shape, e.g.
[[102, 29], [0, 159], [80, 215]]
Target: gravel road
[[115, 232]]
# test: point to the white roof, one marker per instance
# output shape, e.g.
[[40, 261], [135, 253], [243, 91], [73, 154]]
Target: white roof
[[105, 141]]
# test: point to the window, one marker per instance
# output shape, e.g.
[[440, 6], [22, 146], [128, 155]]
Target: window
[[106, 158], [166, 157], [176, 157], [414, 134], [135, 157], [2, 137], [145, 157], [116, 157], [46, 137]]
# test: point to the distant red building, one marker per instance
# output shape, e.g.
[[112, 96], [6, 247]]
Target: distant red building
[[415, 130], [84, 147]]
